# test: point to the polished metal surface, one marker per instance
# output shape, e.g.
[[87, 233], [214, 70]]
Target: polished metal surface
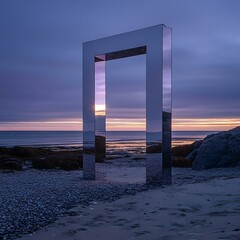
[[155, 42]]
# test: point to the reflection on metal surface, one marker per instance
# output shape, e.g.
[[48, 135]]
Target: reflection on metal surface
[[100, 109], [167, 105], [155, 42]]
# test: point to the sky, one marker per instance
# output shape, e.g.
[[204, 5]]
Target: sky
[[41, 62]]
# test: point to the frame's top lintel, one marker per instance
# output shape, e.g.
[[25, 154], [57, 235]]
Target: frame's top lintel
[[153, 28]]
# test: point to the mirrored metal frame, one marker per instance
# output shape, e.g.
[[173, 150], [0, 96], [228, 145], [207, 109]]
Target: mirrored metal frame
[[155, 42]]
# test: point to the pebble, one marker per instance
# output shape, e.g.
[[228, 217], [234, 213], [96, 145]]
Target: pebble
[[32, 199]]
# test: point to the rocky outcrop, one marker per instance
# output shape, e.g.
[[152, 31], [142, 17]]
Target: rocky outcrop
[[181, 152], [65, 162], [217, 150], [10, 163], [100, 142], [19, 158], [185, 150], [154, 148], [24, 152]]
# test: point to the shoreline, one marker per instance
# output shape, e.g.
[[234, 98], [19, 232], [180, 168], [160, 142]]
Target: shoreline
[[175, 142], [74, 138]]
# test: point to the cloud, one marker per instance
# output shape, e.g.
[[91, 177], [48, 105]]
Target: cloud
[[41, 56]]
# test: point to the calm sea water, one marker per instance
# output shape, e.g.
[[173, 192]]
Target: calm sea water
[[74, 138]]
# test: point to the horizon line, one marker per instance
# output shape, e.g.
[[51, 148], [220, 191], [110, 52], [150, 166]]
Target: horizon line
[[118, 124]]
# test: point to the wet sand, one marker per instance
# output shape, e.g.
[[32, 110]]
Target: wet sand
[[207, 209]]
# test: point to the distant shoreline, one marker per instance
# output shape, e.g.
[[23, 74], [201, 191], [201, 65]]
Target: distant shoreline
[[74, 138]]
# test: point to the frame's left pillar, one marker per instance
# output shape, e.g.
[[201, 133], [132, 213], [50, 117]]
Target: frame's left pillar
[[88, 114]]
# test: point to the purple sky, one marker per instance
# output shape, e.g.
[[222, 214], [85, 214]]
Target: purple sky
[[41, 55]]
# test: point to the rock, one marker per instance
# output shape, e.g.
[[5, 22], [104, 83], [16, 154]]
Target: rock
[[39, 158], [191, 156], [218, 150], [197, 144], [8, 163], [100, 142], [4, 151], [24, 152], [181, 153], [154, 148], [183, 150], [69, 162]]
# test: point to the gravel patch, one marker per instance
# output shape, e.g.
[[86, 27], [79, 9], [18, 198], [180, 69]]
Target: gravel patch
[[32, 199]]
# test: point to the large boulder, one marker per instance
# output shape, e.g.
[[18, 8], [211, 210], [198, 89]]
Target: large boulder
[[180, 153], [185, 150], [218, 150]]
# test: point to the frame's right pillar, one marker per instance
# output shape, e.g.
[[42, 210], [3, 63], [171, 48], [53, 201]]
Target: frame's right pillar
[[158, 110]]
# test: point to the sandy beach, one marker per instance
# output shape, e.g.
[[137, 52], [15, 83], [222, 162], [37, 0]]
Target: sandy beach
[[208, 209]]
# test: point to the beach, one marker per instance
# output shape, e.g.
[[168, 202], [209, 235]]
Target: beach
[[191, 211], [42, 204], [43, 194]]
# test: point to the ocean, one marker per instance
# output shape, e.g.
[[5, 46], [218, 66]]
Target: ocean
[[74, 138]]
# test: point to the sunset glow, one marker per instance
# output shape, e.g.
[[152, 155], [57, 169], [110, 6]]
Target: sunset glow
[[100, 109], [124, 124], [205, 124]]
